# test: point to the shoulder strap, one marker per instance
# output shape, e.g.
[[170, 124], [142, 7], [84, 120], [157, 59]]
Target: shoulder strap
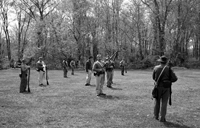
[[161, 73], [98, 62]]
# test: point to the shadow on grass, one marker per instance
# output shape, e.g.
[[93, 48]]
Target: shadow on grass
[[110, 97], [26, 92], [175, 125], [115, 83], [74, 75], [92, 85], [44, 85], [116, 88]]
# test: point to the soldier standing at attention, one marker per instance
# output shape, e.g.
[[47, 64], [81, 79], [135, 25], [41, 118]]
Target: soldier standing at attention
[[109, 65], [65, 65], [122, 65], [98, 68], [41, 69], [24, 76], [89, 71], [72, 65]]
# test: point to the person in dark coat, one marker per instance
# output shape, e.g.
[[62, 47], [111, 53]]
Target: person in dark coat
[[122, 66], [72, 65], [88, 71], [65, 65], [109, 66], [24, 76], [167, 76]]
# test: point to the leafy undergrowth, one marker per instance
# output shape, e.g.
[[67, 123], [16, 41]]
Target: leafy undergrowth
[[67, 103]]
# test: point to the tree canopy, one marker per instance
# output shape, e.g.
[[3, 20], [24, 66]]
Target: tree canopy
[[141, 30]]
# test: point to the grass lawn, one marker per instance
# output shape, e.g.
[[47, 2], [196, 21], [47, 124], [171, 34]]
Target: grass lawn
[[67, 103]]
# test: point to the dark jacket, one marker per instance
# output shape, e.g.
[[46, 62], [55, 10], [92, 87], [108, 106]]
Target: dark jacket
[[65, 65], [109, 65], [40, 66], [88, 65], [167, 74], [72, 64]]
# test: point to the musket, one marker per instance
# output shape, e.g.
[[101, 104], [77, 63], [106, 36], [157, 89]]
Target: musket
[[29, 70], [170, 94], [113, 57], [47, 75]]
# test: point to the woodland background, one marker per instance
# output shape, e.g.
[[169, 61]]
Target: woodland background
[[141, 30]]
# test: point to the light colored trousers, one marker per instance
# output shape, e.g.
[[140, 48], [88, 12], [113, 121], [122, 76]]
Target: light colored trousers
[[41, 77], [99, 83], [163, 96], [88, 77]]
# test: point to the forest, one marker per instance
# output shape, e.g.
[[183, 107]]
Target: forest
[[137, 30]]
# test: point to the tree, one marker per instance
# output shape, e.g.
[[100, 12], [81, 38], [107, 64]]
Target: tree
[[4, 9], [160, 11], [23, 23]]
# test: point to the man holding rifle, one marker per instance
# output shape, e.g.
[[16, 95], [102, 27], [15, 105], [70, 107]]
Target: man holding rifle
[[165, 76], [112, 60], [122, 66], [109, 66], [65, 65], [98, 68], [41, 67], [25, 77], [88, 69]]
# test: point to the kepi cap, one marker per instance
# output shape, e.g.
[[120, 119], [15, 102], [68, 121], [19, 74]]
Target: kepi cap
[[162, 59]]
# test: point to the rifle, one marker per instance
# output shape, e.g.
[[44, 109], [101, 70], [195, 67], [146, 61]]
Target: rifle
[[47, 76], [29, 70], [113, 57], [170, 94]]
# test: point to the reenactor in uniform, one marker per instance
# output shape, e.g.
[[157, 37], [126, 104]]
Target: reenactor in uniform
[[122, 65], [65, 65], [166, 76], [98, 68], [72, 65], [109, 66], [24, 76], [41, 67], [89, 71]]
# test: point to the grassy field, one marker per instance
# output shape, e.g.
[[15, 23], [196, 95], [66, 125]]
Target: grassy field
[[67, 103]]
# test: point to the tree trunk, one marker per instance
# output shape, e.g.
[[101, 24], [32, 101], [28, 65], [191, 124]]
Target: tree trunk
[[7, 42]]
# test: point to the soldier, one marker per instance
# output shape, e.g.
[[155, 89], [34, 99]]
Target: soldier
[[40, 65], [122, 65], [24, 76], [65, 65], [89, 71], [98, 68], [165, 76], [109, 66], [72, 65]]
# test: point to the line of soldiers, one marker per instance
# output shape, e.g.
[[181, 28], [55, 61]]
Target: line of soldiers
[[162, 74], [65, 66], [25, 74], [100, 68], [104, 68]]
